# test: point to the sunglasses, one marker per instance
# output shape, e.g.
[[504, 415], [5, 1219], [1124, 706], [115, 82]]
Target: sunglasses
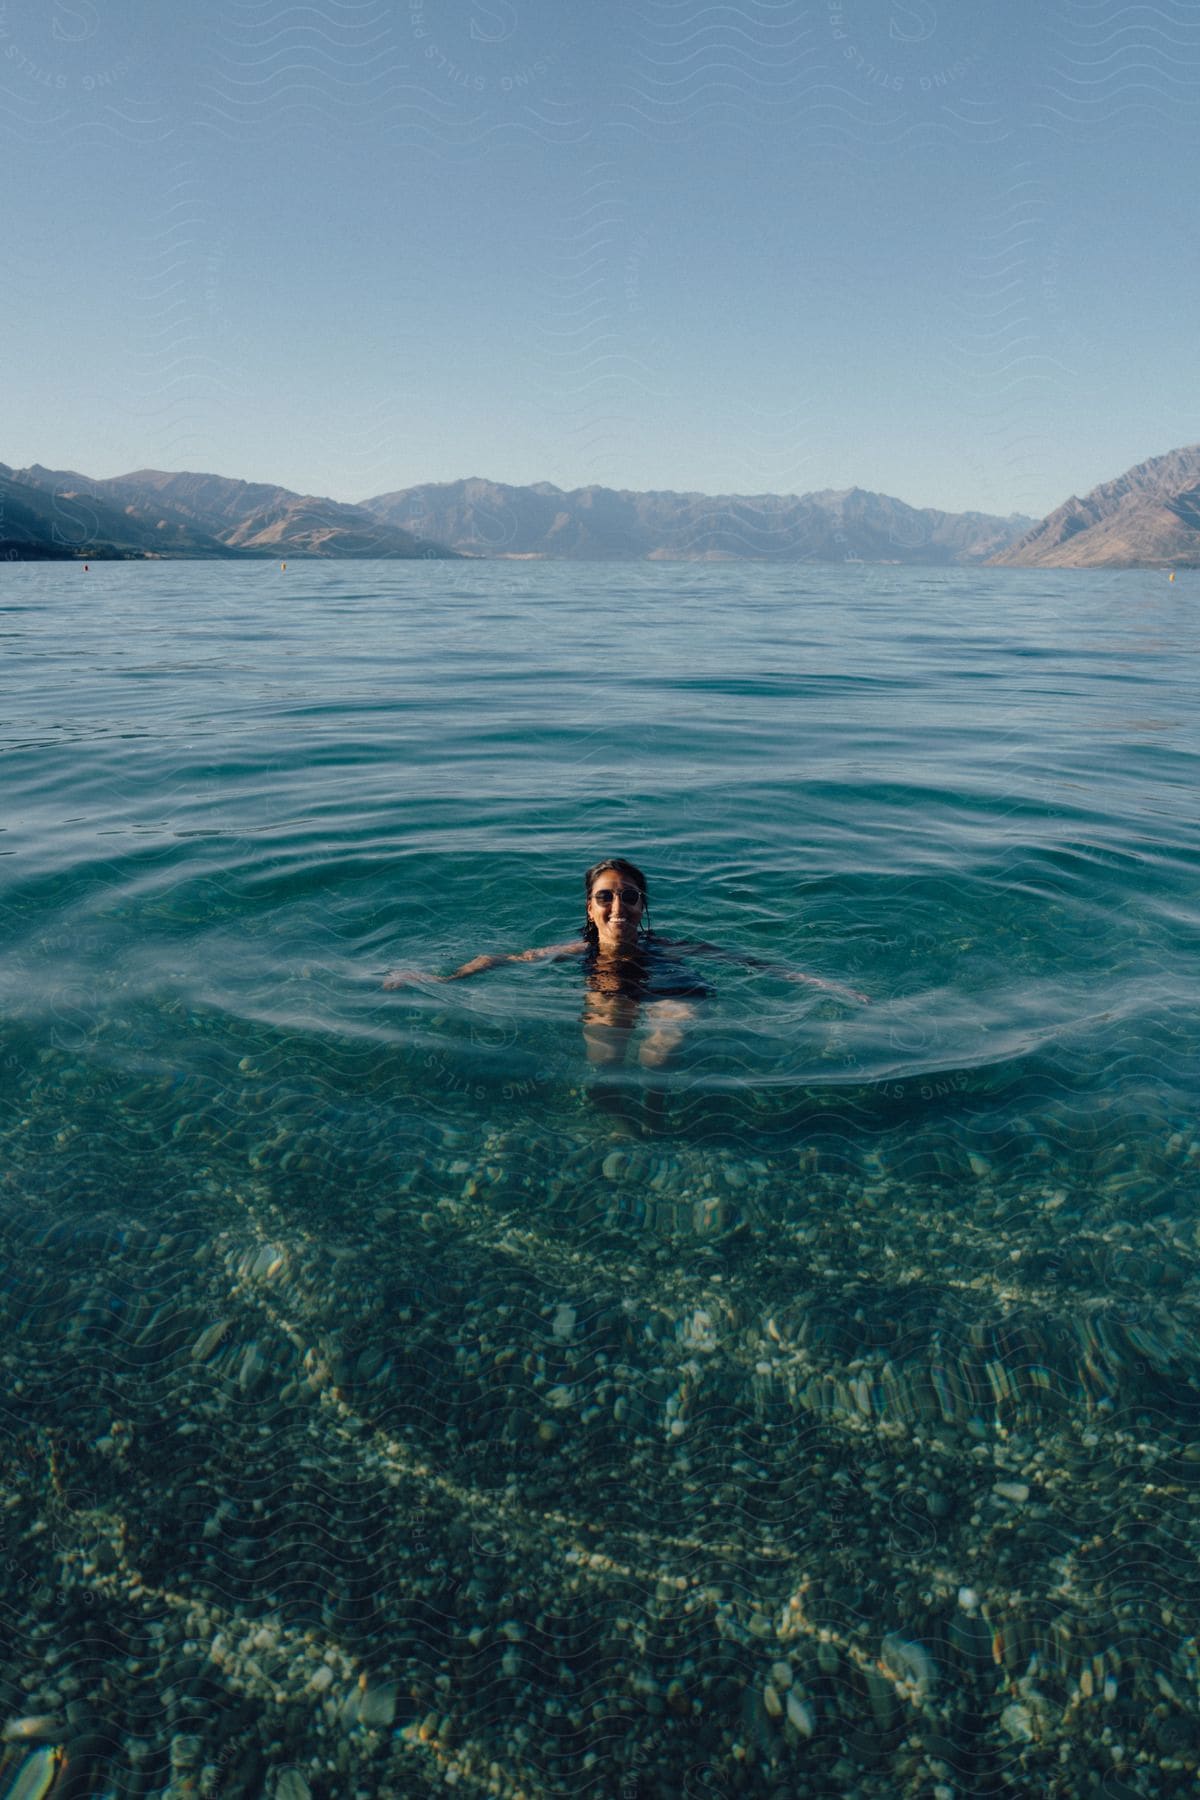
[[630, 896]]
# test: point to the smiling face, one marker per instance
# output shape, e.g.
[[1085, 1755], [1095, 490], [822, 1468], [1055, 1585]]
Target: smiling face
[[615, 907]]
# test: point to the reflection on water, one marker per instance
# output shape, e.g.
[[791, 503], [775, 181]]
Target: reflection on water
[[395, 1400]]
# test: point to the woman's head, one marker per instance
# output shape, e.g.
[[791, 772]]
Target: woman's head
[[617, 902]]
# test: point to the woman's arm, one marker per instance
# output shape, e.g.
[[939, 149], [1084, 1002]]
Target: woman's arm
[[549, 952], [698, 948], [830, 987]]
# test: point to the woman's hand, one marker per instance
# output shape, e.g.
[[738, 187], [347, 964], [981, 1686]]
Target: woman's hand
[[398, 978], [828, 987]]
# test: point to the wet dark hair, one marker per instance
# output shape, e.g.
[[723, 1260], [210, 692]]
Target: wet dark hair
[[622, 866]]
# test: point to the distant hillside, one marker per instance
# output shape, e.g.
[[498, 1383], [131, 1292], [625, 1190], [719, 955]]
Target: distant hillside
[[487, 518], [52, 522], [1149, 515], [154, 513], [252, 516]]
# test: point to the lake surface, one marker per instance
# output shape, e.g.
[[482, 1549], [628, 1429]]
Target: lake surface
[[395, 1400]]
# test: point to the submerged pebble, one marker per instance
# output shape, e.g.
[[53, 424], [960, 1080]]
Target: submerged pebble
[[800, 1715], [34, 1777]]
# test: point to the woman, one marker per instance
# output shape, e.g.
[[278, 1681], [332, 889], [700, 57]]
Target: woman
[[628, 966]]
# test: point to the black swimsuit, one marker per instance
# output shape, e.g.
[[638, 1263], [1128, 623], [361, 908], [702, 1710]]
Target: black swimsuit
[[651, 974]]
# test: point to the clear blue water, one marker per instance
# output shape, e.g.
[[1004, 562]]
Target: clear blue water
[[235, 797]]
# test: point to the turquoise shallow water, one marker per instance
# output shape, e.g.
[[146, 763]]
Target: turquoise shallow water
[[970, 793], [469, 1293]]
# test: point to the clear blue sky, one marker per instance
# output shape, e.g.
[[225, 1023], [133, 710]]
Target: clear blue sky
[[945, 249]]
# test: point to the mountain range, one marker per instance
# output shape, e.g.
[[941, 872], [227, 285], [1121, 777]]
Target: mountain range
[[487, 518], [1149, 516], [57, 512]]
